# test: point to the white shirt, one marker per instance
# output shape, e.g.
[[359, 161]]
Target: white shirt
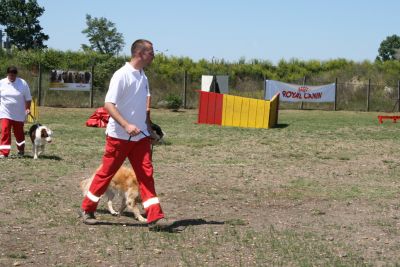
[[128, 90], [13, 96]]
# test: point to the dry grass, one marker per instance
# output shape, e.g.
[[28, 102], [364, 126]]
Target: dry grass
[[321, 189]]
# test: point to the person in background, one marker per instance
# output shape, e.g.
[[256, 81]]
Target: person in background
[[15, 102]]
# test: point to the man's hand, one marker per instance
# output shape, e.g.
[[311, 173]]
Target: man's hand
[[132, 130], [27, 111]]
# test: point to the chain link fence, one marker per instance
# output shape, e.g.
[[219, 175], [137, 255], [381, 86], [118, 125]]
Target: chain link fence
[[353, 94]]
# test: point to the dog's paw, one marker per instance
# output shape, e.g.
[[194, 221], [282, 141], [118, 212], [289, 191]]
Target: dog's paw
[[141, 219]]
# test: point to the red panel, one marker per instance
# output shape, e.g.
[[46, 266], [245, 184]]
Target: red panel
[[203, 106], [210, 108]]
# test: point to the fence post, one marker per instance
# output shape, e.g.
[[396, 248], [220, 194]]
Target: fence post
[[304, 83], [398, 96], [265, 87], [368, 93], [40, 85], [91, 88], [184, 88], [335, 103]]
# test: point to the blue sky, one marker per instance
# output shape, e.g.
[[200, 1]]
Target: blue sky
[[230, 30]]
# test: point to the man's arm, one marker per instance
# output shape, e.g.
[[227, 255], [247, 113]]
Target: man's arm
[[148, 120], [28, 107], [114, 113]]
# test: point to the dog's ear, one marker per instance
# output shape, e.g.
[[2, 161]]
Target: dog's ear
[[49, 132], [43, 133]]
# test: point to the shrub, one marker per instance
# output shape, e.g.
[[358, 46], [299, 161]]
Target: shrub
[[174, 102]]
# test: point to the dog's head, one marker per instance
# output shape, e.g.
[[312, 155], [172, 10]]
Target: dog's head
[[158, 133], [45, 133]]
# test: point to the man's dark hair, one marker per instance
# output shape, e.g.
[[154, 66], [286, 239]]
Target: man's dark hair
[[12, 69], [139, 45]]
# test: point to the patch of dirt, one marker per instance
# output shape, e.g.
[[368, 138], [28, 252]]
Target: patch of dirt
[[247, 199]]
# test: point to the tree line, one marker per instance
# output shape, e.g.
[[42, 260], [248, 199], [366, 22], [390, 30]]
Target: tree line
[[26, 48], [171, 67]]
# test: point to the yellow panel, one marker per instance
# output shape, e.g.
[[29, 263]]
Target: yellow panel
[[237, 110], [228, 110], [252, 113], [224, 103], [266, 117], [273, 117], [260, 113], [244, 118], [248, 112]]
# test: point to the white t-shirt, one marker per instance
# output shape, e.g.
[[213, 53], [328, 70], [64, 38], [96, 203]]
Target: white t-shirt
[[13, 96], [128, 90]]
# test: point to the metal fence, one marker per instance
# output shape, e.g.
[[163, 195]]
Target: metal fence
[[356, 95]]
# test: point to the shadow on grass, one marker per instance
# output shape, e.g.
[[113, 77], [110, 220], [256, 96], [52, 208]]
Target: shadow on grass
[[50, 157], [281, 125], [175, 227]]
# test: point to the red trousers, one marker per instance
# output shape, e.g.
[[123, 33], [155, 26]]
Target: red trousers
[[5, 141], [139, 155]]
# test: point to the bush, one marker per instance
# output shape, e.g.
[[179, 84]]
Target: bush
[[174, 102]]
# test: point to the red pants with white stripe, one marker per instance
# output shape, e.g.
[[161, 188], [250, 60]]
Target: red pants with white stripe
[[5, 141], [139, 155]]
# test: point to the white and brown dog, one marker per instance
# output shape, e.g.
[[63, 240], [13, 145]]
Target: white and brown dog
[[40, 135], [124, 182]]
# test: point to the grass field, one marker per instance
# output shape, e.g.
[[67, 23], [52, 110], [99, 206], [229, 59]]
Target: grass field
[[321, 189]]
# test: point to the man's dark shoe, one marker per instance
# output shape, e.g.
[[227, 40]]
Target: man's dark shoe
[[160, 225], [88, 217], [20, 154]]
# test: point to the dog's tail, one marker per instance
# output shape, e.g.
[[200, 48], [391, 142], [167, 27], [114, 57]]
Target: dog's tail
[[85, 184]]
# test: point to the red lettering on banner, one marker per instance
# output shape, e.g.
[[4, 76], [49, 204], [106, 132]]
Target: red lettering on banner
[[303, 89]]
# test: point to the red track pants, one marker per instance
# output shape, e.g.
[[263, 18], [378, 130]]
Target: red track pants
[[139, 155], [5, 141]]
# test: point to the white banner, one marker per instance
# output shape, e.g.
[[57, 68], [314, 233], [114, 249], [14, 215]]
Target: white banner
[[300, 93], [62, 80]]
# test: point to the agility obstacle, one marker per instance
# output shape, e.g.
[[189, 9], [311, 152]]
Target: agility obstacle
[[393, 118], [34, 111], [229, 110]]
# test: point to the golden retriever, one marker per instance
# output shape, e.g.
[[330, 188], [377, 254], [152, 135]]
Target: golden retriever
[[125, 183]]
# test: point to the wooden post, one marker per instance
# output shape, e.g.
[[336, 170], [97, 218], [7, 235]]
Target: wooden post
[[265, 87], [91, 88], [398, 96], [184, 88], [335, 103], [368, 93], [304, 83], [40, 86]]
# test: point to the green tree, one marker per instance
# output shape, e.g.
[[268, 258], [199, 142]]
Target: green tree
[[103, 36], [388, 48], [20, 19]]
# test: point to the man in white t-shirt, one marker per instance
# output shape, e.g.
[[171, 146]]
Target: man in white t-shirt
[[128, 136], [15, 102]]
